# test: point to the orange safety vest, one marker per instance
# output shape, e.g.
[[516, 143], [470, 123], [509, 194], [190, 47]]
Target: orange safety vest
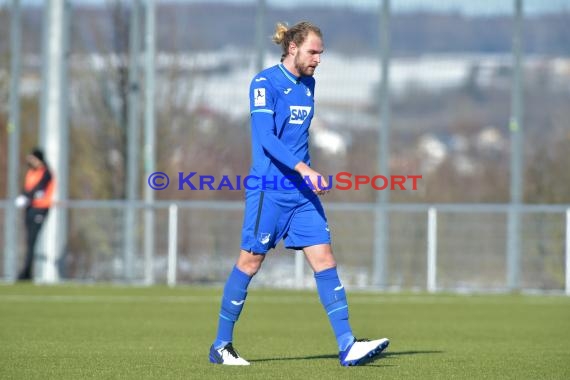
[[41, 198]]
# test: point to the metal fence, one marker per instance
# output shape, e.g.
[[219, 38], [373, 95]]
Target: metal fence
[[403, 87], [439, 247]]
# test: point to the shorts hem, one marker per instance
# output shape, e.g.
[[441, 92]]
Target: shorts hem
[[252, 251], [297, 247]]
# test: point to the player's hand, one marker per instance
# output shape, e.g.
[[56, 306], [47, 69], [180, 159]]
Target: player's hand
[[318, 182], [21, 201]]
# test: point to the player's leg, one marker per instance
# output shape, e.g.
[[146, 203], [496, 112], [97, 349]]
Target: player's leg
[[331, 292], [34, 221], [333, 297], [259, 234], [249, 262], [309, 230], [233, 299], [235, 293]]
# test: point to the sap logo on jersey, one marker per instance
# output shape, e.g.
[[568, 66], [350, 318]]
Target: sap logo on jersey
[[298, 114]]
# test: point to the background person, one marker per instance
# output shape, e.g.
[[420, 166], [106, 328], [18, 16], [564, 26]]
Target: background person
[[37, 199]]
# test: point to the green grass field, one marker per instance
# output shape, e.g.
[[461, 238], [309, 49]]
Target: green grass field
[[82, 332]]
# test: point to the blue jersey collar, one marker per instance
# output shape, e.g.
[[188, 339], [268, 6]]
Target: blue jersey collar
[[288, 74]]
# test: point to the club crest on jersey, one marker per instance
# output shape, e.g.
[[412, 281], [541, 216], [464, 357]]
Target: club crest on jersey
[[308, 92], [264, 237], [259, 97], [298, 114]]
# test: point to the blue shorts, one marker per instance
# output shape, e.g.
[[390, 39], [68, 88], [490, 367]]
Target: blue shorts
[[296, 217]]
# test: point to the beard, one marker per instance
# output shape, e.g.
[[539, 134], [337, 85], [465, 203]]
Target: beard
[[304, 70]]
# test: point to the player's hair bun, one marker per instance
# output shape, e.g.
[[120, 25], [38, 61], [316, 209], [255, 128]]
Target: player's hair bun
[[279, 35], [297, 34]]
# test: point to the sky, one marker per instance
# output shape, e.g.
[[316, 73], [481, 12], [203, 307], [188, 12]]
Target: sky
[[464, 6]]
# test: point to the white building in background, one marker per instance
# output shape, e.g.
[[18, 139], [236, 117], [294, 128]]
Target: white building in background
[[490, 140], [327, 140], [432, 152]]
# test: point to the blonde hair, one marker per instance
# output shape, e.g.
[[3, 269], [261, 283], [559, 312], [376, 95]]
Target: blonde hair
[[297, 33]]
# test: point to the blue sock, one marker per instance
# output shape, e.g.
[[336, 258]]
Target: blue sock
[[233, 299], [333, 298]]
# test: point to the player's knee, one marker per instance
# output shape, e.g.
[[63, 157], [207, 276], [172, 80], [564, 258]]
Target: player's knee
[[250, 268], [250, 263], [324, 263], [320, 257]]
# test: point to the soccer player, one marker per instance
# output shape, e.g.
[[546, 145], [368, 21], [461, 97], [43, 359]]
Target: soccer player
[[284, 203]]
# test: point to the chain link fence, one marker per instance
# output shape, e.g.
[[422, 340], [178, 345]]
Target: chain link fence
[[450, 92]]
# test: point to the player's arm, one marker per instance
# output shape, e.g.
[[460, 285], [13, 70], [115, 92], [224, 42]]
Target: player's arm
[[305, 170], [262, 106], [263, 126], [318, 181]]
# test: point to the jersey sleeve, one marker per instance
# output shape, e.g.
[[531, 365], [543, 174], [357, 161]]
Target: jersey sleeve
[[262, 107], [261, 99], [263, 126]]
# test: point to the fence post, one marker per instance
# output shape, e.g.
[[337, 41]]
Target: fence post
[[432, 251], [10, 230], [172, 241], [54, 132], [381, 214], [567, 252], [131, 220], [150, 138], [517, 153]]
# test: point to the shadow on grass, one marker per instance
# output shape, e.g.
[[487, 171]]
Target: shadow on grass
[[386, 355], [403, 353]]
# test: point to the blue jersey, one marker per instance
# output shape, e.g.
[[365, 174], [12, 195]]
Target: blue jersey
[[282, 107]]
